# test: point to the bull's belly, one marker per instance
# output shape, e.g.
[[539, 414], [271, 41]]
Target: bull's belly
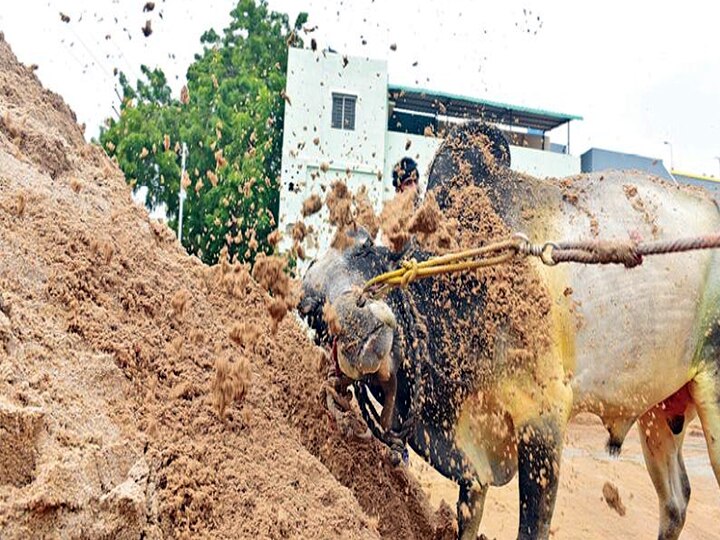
[[636, 333]]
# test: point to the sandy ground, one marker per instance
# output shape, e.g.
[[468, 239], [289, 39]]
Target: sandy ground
[[581, 512]]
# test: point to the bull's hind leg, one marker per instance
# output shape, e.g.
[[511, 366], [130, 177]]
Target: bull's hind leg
[[705, 392], [662, 430]]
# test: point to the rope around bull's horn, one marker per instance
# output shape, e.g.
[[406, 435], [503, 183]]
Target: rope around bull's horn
[[626, 252]]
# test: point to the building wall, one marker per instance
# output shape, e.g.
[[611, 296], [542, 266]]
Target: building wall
[[312, 79], [543, 164]]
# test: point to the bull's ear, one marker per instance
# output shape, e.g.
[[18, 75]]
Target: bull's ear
[[310, 309]]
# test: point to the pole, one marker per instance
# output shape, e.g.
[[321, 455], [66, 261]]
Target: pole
[[567, 149], [672, 165], [718, 158], [183, 195]]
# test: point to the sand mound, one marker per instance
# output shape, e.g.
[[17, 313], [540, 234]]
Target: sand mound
[[112, 341]]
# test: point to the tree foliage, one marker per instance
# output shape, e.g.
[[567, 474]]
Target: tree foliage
[[231, 118]]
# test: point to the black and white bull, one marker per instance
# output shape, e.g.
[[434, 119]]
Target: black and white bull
[[647, 348]]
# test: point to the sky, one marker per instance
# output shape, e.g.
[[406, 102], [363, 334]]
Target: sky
[[639, 73]]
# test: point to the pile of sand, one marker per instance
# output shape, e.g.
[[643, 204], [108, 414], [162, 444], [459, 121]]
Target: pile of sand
[[118, 351]]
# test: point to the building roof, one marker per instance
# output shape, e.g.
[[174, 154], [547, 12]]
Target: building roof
[[696, 176], [455, 105]]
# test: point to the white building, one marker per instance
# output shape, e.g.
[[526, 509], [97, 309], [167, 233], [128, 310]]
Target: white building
[[343, 120]]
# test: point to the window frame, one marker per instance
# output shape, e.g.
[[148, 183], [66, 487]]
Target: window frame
[[344, 98]]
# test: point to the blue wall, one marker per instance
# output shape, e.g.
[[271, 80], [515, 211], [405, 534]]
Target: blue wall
[[712, 187], [597, 159]]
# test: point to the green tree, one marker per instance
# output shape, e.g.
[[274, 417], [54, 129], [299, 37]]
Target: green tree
[[231, 118]]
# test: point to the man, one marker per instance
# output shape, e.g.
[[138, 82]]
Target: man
[[405, 175]]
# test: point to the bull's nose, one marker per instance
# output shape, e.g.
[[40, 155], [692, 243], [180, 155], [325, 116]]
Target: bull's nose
[[347, 367]]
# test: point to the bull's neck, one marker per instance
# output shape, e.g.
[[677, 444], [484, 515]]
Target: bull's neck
[[512, 194]]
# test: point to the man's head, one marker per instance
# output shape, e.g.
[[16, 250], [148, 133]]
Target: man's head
[[405, 174]]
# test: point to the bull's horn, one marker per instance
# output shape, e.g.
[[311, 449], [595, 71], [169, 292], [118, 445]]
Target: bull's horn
[[383, 313]]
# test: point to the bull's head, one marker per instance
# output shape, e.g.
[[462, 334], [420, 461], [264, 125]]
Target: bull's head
[[335, 307]]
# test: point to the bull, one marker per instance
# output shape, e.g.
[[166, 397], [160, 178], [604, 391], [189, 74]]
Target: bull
[[637, 345]]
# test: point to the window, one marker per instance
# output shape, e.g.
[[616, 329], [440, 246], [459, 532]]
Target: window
[[343, 111]]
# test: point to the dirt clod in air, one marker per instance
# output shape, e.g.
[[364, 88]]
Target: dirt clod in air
[[274, 238], [395, 218], [401, 220], [311, 205], [231, 383], [270, 273], [147, 29], [348, 212], [612, 498], [428, 217], [331, 319], [339, 204], [299, 231], [364, 212]]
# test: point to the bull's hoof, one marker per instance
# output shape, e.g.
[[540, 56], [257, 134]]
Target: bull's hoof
[[343, 418], [399, 457]]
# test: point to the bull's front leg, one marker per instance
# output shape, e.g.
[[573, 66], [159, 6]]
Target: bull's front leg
[[470, 506], [539, 451], [388, 383], [540, 407]]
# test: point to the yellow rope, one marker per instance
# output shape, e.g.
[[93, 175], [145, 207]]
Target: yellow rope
[[460, 261], [588, 252]]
